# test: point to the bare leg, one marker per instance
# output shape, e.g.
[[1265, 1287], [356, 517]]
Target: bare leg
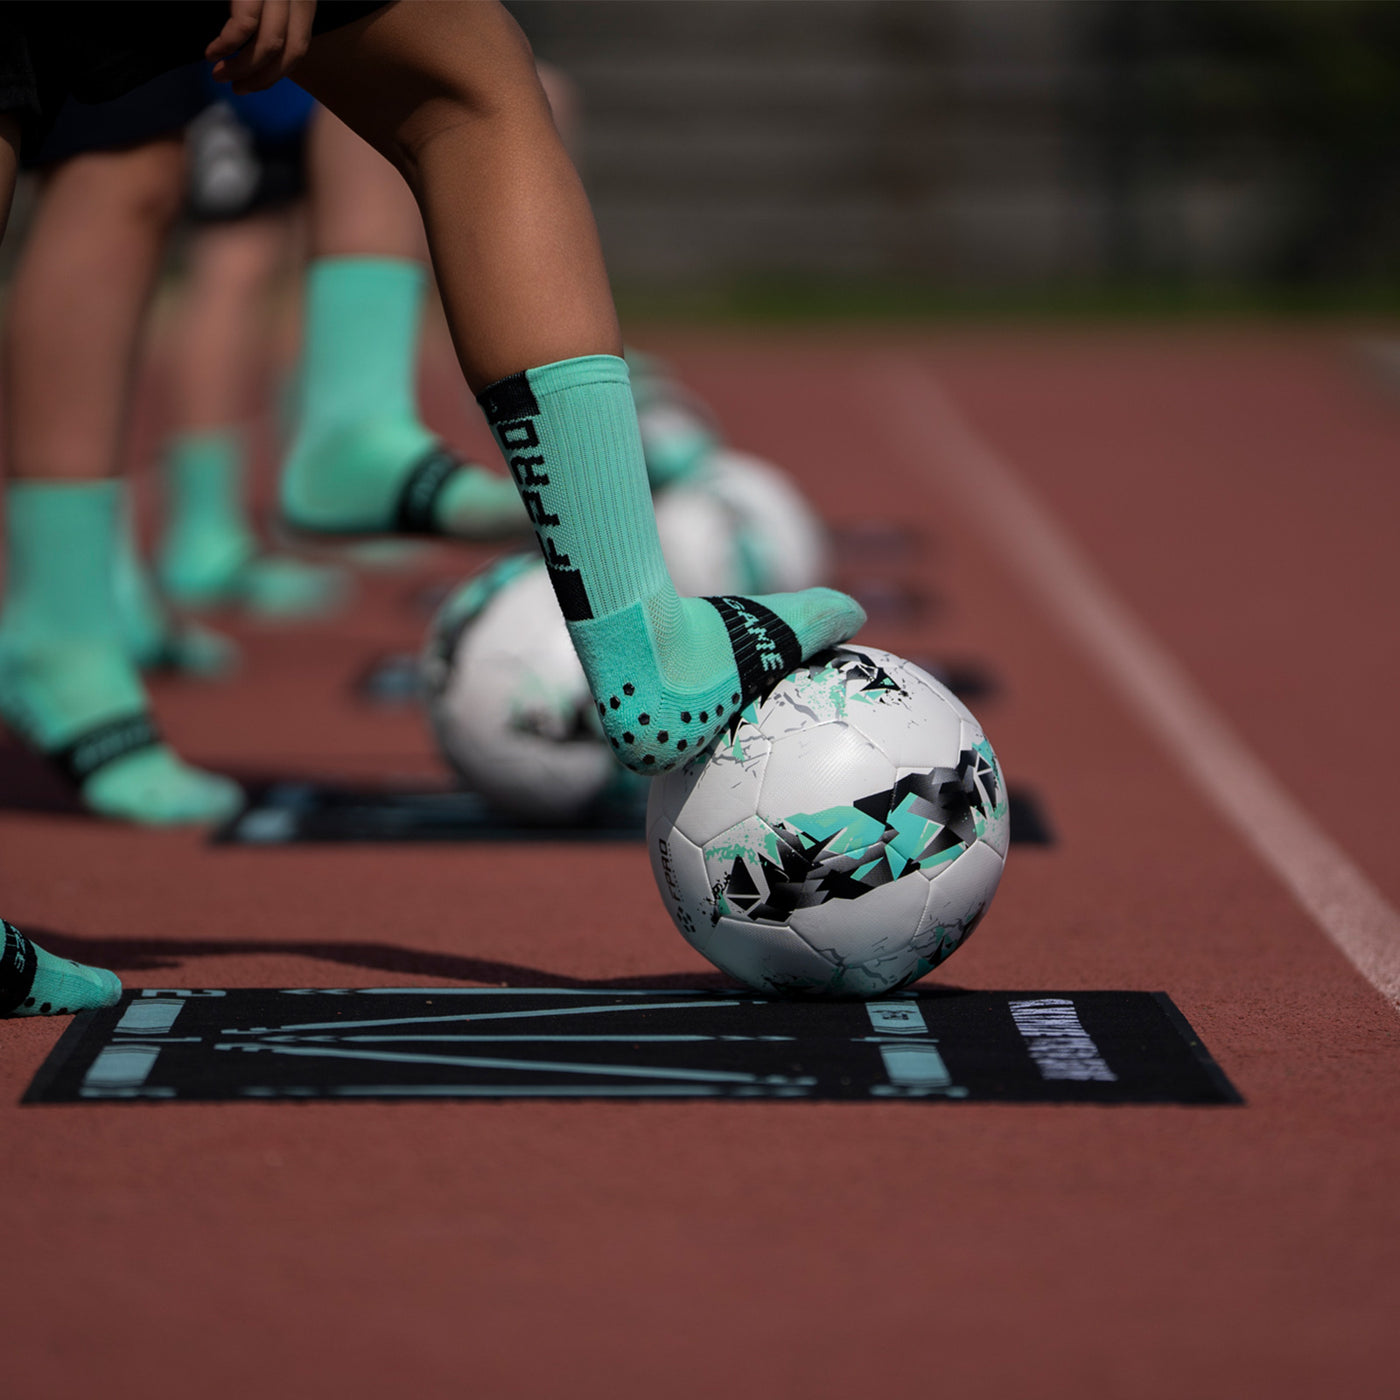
[[360, 206], [210, 555], [222, 329], [77, 306], [449, 93]]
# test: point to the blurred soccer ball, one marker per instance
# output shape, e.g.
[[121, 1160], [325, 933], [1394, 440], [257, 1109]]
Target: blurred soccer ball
[[699, 534], [844, 840], [740, 525], [508, 701], [780, 539]]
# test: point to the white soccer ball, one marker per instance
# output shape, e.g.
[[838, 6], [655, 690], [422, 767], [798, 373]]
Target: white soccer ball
[[740, 525], [843, 840], [780, 541], [699, 534], [508, 701]]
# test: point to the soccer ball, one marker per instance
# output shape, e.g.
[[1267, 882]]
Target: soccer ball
[[780, 541], [843, 840], [699, 536], [508, 701], [740, 525]]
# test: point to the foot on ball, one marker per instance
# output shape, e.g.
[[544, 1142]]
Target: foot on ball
[[667, 672]]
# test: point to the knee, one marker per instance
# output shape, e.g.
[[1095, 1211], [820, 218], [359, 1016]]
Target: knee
[[141, 187], [153, 190], [460, 66]]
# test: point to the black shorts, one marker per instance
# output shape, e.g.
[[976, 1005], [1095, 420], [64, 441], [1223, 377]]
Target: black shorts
[[96, 50], [164, 106]]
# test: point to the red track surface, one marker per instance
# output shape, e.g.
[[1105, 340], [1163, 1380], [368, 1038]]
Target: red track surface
[[1239, 492]]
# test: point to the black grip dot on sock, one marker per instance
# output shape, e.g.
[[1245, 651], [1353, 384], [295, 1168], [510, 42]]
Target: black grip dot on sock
[[602, 708], [615, 702], [704, 717], [719, 710], [662, 736], [685, 716], [629, 689], [734, 699], [643, 719], [682, 744], [648, 759], [629, 738], [614, 743]]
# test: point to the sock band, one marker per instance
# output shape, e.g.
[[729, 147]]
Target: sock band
[[102, 745], [18, 964], [421, 489], [765, 647]]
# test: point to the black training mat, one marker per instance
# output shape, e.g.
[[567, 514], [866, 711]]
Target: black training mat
[[394, 679], [1029, 824], [291, 813], [530, 1042], [299, 813]]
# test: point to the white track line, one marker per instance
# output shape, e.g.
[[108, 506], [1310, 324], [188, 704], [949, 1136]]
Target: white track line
[[927, 429]]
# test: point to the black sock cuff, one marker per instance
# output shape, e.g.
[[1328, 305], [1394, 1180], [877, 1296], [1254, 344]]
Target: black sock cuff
[[18, 964], [508, 400]]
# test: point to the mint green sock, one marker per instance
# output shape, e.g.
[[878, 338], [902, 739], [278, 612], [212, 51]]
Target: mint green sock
[[36, 983], [156, 640], [667, 673], [68, 685], [209, 555], [362, 456]]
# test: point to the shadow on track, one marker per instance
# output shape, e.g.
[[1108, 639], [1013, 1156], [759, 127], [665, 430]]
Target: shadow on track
[[155, 954], [28, 784]]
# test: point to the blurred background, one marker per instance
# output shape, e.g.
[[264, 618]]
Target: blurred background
[[911, 156]]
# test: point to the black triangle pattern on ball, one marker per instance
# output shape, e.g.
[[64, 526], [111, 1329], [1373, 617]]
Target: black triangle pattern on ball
[[876, 680], [845, 659], [807, 873]]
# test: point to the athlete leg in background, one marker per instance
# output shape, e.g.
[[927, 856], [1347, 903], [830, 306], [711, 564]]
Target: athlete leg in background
[[34, 982], [210, 555], [449, 92], [68, 684], [362, 461]]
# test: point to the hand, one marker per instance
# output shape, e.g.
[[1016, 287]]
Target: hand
[[261, 42]]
